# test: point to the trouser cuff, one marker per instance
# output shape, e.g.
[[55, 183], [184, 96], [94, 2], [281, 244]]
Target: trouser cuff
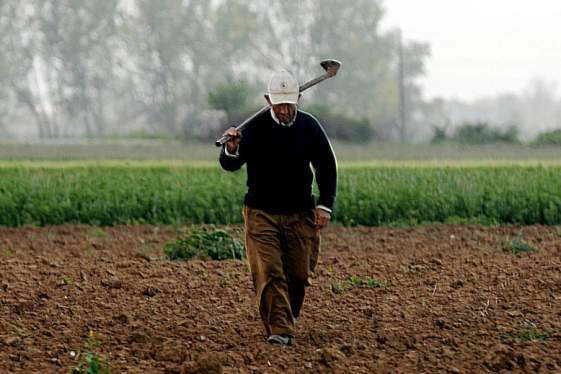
[[281, 331]]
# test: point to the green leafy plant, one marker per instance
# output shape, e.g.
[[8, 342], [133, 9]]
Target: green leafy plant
[[90, 361], [519, 246], [205, 242]]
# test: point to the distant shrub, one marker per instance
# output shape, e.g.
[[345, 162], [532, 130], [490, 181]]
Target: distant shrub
[[549, 138], [482, 133], [439, 135], [233, 97], [203, 242], [341, 127]]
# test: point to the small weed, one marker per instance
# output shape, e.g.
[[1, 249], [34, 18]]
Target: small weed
[[519, 246], [144, 252], [504, 336], [97, 232], [91, 362], [204, 242], [529, 333], [354, 281], [89, 252], [7, 253], [366, 282], [337, 288]]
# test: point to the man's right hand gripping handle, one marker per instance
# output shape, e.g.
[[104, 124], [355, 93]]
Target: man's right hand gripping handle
[[234, 142]]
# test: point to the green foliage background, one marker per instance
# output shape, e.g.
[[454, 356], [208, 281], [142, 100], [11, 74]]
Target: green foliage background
[[375, 194]]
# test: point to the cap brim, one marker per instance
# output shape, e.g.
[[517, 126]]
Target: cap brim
[[284, 98]]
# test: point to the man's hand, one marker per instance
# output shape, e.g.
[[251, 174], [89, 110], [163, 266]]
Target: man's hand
[[321, 218], [234, 142]]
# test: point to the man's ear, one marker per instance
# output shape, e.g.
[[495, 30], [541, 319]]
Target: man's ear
[[268, 99]]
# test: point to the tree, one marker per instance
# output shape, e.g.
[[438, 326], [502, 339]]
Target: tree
[[60, 60], [410, 66], [78, 66], [21, 70], [179, 49], [305, 32], [540, 105], [232, 97], [77, 55]]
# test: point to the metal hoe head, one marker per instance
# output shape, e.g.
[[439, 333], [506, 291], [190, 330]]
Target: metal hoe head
[[332, 65]]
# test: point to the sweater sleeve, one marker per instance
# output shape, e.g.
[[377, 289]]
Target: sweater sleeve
[[231, 162], [325, 166]]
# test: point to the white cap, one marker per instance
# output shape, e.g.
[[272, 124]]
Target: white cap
[[283, 88]]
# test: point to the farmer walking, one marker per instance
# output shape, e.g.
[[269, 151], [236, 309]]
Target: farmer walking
[[282, 218]]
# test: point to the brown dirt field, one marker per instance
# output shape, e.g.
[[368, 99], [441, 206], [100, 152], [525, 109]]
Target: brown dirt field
[[457, 300]]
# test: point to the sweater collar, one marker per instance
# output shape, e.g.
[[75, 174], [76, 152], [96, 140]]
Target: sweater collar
[[283, 124]]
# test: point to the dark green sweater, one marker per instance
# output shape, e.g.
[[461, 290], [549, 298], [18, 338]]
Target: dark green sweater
[[279, 176]]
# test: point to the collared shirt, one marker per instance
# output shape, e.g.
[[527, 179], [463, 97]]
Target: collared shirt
[[282, 123]]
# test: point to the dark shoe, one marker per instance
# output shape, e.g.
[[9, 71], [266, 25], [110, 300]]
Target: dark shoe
[[283, 339]]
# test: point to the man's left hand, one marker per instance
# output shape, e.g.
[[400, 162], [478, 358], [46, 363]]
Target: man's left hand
[[321, 218]]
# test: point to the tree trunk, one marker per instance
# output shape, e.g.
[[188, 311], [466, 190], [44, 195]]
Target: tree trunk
[[402, 123]]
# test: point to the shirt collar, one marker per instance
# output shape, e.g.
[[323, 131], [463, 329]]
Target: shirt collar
[[283, 124]]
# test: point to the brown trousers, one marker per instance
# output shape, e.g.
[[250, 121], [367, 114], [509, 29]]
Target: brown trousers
[[282, 251]]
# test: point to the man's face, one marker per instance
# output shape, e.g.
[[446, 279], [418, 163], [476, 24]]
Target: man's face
[[284, 112]]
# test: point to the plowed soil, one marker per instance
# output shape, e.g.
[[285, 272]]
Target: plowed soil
[[456, 299]]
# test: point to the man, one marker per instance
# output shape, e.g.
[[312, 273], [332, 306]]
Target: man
[[282, 220]]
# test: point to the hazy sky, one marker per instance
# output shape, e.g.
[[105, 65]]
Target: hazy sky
[[483, 47]]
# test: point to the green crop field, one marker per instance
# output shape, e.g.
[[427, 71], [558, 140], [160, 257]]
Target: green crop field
[[109, 193]]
